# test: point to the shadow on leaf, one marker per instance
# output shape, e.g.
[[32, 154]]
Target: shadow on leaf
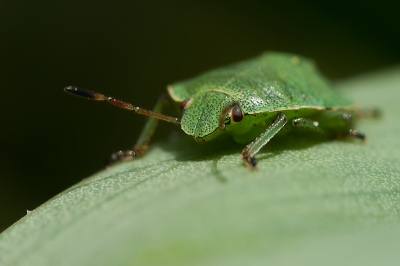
[[185, 149]]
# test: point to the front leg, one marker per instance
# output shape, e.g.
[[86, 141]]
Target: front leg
[[249, 153], [143, 142], [141, 145]]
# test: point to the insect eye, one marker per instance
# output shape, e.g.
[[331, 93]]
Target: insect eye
[[237, 114], [184, 103]]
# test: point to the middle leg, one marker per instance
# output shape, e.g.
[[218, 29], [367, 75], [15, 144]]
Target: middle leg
[[249, 153]]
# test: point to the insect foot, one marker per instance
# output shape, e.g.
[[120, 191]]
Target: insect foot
[[120, 155], [357, 134], [250, 161]]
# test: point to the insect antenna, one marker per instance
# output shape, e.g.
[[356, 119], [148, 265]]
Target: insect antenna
[[225, 110], [122, 104]]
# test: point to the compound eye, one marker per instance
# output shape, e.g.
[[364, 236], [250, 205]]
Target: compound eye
[[184, 103], [237, 114]]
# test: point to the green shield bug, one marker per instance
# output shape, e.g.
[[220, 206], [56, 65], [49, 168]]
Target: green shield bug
[[252, 100]]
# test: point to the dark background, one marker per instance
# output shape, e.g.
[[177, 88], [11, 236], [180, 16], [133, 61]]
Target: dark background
[[132, 50]]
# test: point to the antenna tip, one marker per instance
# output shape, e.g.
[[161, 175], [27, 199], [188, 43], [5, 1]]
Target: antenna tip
[[85, 93], [73, 90]]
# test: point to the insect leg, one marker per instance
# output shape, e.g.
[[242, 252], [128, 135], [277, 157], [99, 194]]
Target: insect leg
[[249, 153], [221, 119], [144, 139], [359, 113], [142, 143], [338, 131], [307, 123], [365, 113]]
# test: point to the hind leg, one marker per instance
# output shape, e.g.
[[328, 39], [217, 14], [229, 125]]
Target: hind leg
[[336, 124]]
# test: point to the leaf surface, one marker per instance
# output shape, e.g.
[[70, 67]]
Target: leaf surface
[[312, 201]]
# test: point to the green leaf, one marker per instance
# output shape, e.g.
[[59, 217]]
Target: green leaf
[[312, 201]]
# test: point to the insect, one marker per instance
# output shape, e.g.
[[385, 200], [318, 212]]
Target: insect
[[253, 101]]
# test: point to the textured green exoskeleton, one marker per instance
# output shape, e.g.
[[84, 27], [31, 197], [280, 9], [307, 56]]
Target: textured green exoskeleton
[[252, 100]]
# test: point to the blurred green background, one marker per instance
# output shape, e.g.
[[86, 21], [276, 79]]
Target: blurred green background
[[132, 50]]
